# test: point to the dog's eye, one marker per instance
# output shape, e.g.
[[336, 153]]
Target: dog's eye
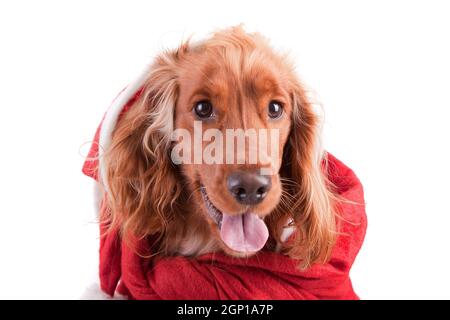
[[275, 109], [203, 109]]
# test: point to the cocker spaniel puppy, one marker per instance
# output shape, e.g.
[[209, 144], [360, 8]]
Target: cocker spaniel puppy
[[171, 174]]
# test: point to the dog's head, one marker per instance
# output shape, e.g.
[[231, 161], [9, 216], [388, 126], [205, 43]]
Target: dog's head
[[223, 123]]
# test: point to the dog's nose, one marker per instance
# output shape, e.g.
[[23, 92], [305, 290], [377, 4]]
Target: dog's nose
[[248, 188]]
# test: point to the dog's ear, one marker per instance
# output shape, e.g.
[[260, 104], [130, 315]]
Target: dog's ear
[[141, 180], [311, 205]]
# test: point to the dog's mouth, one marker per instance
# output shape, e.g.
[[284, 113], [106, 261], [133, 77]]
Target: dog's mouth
[[246, 233]]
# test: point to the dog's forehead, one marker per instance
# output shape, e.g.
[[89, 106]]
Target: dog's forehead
[[223, 74]]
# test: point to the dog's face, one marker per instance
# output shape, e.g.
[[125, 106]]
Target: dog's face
[[231, 81], [235, 89]]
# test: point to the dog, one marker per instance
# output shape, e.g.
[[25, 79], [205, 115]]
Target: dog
[[233, 80]]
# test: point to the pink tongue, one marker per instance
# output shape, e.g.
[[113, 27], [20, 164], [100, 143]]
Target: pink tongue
[[244, 233]]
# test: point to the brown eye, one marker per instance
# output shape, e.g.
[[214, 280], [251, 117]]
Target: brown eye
[[203, 109], [275, 110]]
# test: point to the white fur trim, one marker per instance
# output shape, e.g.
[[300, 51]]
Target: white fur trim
[[93, 292], [287, 231], [111, 117], [285, 234], [98, 197]]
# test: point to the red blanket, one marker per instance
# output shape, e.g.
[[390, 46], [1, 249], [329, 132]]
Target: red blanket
[[267, 275]]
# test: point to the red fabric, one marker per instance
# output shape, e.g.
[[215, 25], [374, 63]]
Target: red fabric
[[267, 275]]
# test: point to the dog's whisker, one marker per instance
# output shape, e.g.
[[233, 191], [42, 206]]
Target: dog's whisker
[[288, 182], [286, 195], [197, 189]]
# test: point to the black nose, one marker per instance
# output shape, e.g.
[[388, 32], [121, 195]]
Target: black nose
[[248, 188]]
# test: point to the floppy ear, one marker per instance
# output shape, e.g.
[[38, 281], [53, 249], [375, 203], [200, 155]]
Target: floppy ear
[[140, 178], [310, 206]]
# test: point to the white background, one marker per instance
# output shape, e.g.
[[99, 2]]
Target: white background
[[380, 68]]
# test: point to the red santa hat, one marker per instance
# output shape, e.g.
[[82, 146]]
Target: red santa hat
[[94, 166]]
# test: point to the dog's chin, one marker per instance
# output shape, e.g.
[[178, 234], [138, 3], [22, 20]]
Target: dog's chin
[[243, 234]]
